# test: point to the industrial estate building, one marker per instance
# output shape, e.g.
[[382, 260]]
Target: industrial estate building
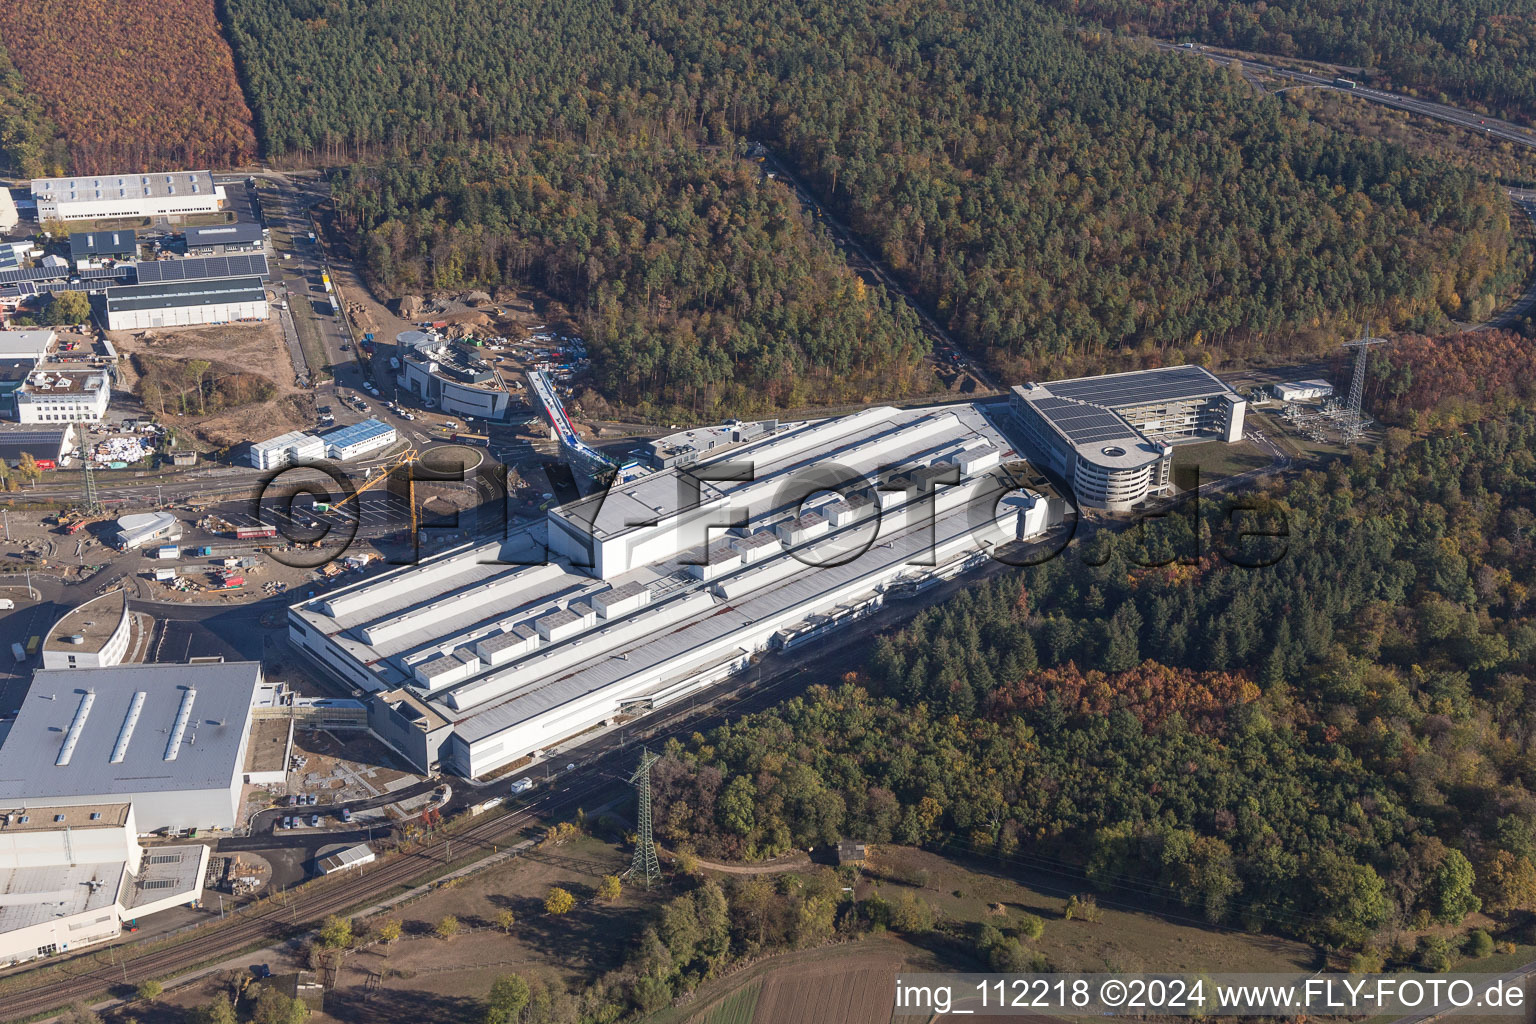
[[52, 396], [185, 303], [31, 345], [95, 634], [170, 739], [141, 528], [1111, 437], [47, 445], [451, 376], [88, 247], [296, 447], [171, 194], [668, 583], [291, 449], [358, 439], [225, 239], [71, 874]]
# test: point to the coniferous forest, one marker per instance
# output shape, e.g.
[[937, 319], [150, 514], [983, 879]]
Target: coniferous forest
[[1055, 196], [1480, 53]]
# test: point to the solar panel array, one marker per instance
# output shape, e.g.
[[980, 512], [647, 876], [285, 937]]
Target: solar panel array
[[1084, 424], [1139, 387], [21, 274], [203, 268], [203, 292]]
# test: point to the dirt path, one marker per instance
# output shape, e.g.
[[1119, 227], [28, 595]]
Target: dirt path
[[793, 862]]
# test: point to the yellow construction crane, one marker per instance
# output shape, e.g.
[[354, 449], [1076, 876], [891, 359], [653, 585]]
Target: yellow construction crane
[[381, 474]]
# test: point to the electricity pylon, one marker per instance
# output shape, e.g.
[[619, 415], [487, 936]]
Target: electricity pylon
[[645, 864], [1352, 424]]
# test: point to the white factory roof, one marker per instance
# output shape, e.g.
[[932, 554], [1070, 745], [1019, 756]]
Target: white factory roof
[[128, 729], [866, 442], [33, 344], [281, 441], [35, 895], [91, 188], [713, 621], [451, 603]]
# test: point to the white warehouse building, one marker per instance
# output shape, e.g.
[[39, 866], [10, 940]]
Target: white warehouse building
[[648, 594], [170, 194], [358, 439], [291, 449], [71, 874], [135, 307], [169, 738]]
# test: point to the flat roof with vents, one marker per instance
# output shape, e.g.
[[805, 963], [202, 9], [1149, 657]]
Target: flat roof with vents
[[103, 243], [93, 623], [243, 233], [90, 188], [148, 728], [46, 819]]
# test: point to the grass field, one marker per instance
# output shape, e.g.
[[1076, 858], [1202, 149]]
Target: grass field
[[1217, 459], [736, 1008]]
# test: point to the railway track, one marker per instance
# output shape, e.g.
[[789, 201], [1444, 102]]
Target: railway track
[[274, 920]]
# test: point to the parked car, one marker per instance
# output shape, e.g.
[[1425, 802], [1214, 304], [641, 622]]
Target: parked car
[[309, 799], [346, 814], [285, 823], [314, 820]]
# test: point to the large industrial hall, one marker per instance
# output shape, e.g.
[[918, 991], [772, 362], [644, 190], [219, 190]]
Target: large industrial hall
[[628, 600], [169, 738]]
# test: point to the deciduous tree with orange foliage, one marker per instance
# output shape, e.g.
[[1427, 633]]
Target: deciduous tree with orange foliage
[[134, 85]]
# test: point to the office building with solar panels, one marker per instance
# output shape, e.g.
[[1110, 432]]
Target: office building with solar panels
[[171, 739], [1111, 437]]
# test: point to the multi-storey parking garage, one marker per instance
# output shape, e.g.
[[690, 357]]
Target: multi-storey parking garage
[[1112, 437], [628, 600]]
